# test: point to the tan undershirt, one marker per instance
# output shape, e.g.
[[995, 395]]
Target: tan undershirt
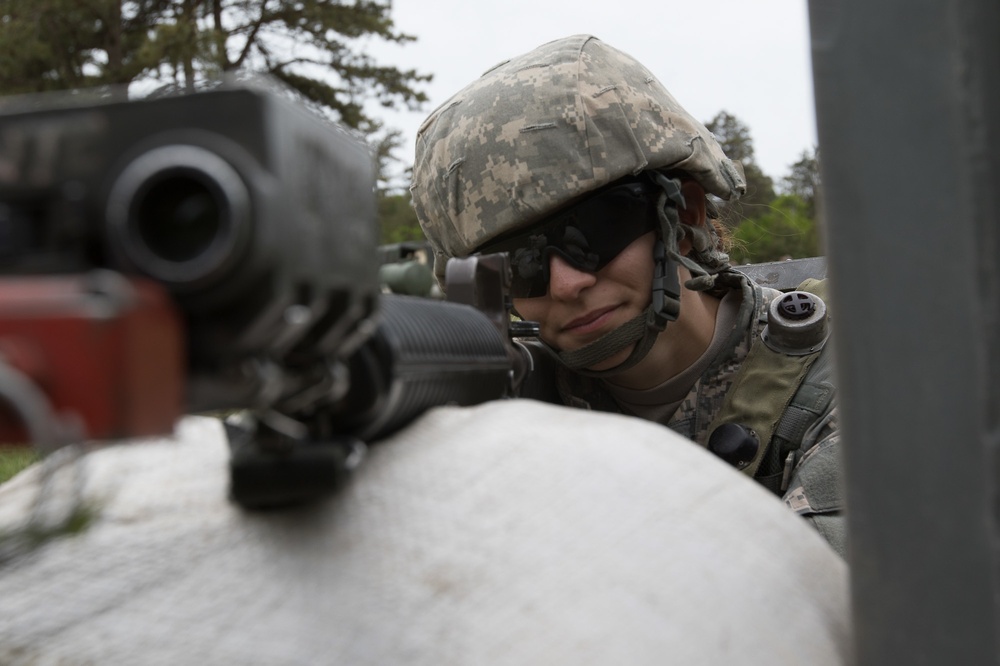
[[660, 402]]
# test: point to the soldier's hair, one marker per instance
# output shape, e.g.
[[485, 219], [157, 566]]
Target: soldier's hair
[[723, 233]]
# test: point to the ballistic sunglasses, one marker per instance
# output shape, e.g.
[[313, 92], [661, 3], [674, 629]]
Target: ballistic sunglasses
[[588, 235]]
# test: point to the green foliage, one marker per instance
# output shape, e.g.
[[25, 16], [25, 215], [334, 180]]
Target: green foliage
[[784, 231], [804, 181], [398, 220], [56, 44], [14, 459], [734, 137], [758, 198], [766, 226], [315, 46]]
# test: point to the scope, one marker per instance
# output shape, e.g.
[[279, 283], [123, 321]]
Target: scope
[[255, 214], [181, 212]]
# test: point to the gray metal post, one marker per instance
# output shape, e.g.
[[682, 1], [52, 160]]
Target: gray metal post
[[908, 110]]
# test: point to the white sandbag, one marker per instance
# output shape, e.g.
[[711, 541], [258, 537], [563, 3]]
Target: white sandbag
[[510, 533]]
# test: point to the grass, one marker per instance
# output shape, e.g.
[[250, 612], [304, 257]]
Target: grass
[[21, 539], [25, 538], [13, 459]]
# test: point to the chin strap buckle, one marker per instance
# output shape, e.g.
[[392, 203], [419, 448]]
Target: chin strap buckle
[[666, 304]]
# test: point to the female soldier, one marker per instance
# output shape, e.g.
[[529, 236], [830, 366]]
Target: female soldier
[[577, 162]]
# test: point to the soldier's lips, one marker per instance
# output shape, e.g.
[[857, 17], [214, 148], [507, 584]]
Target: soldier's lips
[[590, 322]]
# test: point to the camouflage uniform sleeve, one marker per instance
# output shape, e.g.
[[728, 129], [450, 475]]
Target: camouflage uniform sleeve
[[816, 490]]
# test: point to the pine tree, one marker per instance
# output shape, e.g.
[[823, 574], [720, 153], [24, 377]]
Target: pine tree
[[734, 137], [803, 180], [315, 46]]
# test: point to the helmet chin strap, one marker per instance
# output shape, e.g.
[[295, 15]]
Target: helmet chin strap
[[643, 330]]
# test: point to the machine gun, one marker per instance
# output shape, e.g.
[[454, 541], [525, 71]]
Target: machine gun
[[216, 251]]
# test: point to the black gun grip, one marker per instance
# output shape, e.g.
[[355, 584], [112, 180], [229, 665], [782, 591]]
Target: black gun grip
[[264, 474]]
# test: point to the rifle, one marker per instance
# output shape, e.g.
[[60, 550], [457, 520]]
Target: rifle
[[216, 252]]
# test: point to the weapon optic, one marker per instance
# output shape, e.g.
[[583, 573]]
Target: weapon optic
[[217, 251]]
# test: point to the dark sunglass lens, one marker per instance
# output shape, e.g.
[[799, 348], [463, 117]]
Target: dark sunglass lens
[[528, 277], [588, 236], [607, 224]]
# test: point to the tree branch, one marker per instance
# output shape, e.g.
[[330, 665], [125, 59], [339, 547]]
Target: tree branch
[[252, 37]]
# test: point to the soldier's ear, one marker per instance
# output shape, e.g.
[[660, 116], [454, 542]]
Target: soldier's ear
[[694, 213]]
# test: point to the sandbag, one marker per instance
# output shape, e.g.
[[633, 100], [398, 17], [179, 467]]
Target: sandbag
[[514, 532]]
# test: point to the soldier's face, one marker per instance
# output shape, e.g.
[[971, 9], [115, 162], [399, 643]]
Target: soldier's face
[[581, 306]]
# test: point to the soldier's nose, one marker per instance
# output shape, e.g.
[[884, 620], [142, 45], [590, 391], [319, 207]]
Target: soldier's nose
[[565, 281]]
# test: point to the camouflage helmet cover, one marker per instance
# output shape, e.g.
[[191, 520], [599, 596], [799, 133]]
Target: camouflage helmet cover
[[540, 130]]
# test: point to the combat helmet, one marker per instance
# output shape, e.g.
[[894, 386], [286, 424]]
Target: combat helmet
[[543, 130]]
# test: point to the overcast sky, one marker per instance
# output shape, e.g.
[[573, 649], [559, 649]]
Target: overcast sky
[[748, 57]]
